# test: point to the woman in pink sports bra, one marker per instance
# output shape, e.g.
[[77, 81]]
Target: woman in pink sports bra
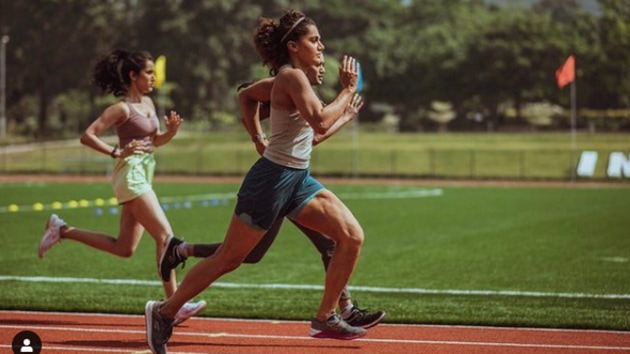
[[130, 76]]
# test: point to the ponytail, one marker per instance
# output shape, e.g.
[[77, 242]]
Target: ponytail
[[111, 72], [270, 37]]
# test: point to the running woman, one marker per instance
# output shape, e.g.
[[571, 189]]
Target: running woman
[[130, 76], [178, 250], [278, 184]]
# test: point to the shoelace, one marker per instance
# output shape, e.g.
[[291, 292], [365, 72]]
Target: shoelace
[[356, 307]]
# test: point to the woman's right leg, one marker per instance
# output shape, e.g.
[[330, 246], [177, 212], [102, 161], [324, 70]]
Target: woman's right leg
[[143, 210], [135, 215], [123, 246]]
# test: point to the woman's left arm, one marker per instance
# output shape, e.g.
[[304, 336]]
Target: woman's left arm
[[172, 122], [348, 115]]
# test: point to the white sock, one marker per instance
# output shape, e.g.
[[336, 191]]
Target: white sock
[[182, 249], [347, 311]]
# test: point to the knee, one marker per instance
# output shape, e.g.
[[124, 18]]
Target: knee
[[354, 236], [126, 252], [358, 238]]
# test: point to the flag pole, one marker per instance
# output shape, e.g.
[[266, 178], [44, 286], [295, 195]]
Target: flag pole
[[566, 75], [573, 127]]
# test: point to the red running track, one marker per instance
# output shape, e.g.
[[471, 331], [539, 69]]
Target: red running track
[[102, 333]]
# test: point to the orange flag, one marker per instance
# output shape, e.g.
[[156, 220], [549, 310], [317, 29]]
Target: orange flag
[[566, 74]]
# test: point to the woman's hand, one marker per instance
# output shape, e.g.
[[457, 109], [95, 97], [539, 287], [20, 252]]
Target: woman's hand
[[349, 73], [355, 105], [173, 122], [135, 147], [261, 145]]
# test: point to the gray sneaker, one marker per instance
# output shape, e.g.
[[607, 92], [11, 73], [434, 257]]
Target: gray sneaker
[[159, 329], [363, 318], [335, 328]]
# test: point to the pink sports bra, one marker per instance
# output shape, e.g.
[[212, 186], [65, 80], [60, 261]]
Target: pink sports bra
[[138, 127]]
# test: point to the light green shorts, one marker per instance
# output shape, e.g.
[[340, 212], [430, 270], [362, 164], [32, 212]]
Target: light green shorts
[[133, 176]]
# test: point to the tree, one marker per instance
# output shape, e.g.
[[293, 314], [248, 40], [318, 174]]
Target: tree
[[48, 55], [611, 71], [475, 55]]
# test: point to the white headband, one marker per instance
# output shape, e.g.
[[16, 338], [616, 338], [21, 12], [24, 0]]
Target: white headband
[[292, 28]]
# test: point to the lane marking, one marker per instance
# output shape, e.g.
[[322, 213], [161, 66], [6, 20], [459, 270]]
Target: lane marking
[[306, 338], [274, 321], [211, 198], [99, 350], [47, 348], [373, 289]]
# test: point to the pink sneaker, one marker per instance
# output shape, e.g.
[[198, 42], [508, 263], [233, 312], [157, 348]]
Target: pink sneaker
[[52, 234], [188, 310]]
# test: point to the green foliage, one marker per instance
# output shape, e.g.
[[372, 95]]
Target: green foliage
[[474, 54], [612, 63]]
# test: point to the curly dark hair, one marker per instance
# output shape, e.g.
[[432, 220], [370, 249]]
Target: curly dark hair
[[111, 72], [270, 37]]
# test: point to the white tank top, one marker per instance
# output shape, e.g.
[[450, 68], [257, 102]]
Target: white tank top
[[291, 139]]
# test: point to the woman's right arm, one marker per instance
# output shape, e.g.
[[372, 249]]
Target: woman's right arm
[[249, 99], [110, 117]]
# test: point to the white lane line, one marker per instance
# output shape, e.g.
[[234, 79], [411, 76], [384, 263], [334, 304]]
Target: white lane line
[[302, 338], [372, 289], [46, 349], [416, 325]]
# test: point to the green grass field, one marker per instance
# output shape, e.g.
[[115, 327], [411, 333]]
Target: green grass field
[[519, 256]]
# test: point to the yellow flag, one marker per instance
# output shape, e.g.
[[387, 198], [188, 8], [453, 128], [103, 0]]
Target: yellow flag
[[160, 71]]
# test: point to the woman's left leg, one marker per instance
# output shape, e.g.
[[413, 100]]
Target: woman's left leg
[[147, 210], [327, 214]]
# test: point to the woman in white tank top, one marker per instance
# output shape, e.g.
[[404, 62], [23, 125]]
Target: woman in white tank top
[[274, 188]]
